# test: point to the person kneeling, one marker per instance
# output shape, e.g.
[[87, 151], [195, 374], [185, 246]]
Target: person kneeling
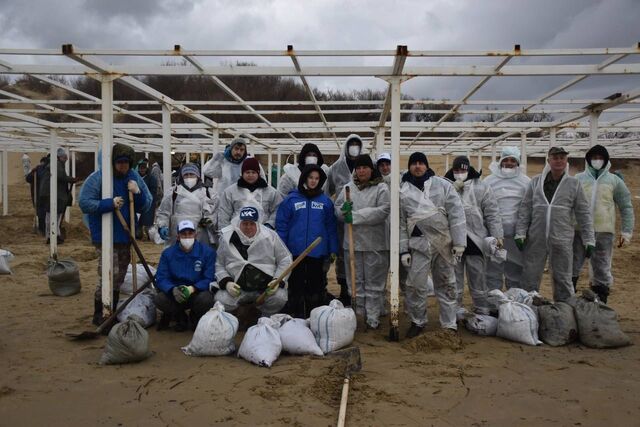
[[185, 272], [250, 258]]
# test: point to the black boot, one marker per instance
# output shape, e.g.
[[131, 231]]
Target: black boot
[[602, 291], [575, 283], [344, 298], [97, 312], [163, 324], [414, 330], [114, 301], [182, 322]]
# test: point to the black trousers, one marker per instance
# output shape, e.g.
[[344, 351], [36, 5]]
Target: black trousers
[[199, 304], [307, 287]]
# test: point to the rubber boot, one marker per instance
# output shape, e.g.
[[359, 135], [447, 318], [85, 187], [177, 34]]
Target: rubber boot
[[97, 312], [182, 322], [163, 324], [414, 330], [602, 292], [575, 284]]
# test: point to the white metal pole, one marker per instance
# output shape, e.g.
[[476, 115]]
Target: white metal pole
[[395, 208], [67, 169], [552, 137], [523, 152], [96, 161], [53, 193], [73, 173], [202, 161], [166, 148], [5, 183], [269, 165], [593, 128], [187, 157], [446, 163], [215, 137], [107, 192]]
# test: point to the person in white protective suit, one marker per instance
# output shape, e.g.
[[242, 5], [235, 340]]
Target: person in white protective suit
[[433, 236], [509, 185], [340, 173], [192, 201], [225, 168], [309, 155], [545, 226], [367, 211], [483, 220], [605, 191], [249, 259], [250, 190]]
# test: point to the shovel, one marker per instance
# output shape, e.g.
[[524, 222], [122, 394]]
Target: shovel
[[352, 363], [88, 335]]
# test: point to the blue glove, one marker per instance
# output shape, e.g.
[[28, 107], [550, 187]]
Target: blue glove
[[164, 233]]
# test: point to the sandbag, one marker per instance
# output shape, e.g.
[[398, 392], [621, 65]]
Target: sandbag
[[598, 323], [517, 322], [295, 335], [5, 258], [127, 342], [557, 324], [142, 277], [64, 277], [333, 326], [214, 334], [481, 324], [261, 343], [142, 306]]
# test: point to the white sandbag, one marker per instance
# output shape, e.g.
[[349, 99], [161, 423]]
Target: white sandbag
[[142, 306], [141, 274], [481, 324], [333, 326], [261, 343], [517, 322], [5, 258], [295, 335], [516, 294], [127, 342], [214, 334]]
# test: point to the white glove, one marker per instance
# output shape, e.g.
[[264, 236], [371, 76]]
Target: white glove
[[133, 187], [457, 252], [405, 259], [118, 202], [233, 288]]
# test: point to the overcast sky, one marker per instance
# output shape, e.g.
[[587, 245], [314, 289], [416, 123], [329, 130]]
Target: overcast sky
[[336, 24]]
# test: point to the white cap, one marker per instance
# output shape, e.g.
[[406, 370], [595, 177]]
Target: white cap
[[384, 156], [185, 225]]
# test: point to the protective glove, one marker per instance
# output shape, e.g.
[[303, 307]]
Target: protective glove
[[624, 240], [348, 217], [205, 222], [182, 293], [333, 258], [347, 207], [457, 252], [118, 202], [520, 241], [500, 243], [589, 250], [133, 187], [272, 287], [233, 288], [163, 232], [405, 259]]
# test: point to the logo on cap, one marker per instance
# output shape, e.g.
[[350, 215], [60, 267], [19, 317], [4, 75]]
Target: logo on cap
[[249, 214]]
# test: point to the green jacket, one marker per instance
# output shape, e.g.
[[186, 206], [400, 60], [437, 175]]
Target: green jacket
[[605, 191]]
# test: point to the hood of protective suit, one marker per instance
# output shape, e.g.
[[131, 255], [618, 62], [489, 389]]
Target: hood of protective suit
[[597, 150], [496, 170], [306, 149], [305, 173], [345, 149], [513, 152]]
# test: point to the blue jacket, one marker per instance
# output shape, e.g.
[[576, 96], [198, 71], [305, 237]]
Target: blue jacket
[[299, 221], [177, 268], [92, 203]]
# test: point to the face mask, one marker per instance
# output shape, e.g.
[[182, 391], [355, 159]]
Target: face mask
[[597, 164], [187, 244], [354, 150], [509, 171], [311, 160], [460, 176], [190, 182]]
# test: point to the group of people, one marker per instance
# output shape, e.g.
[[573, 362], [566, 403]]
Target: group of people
[[231, 237]]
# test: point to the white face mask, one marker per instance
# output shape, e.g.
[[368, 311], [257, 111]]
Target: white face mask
[[597, 164], [354, 150], [187, 244], [190, 182], [461, 176], [509, 171], [311, 160]]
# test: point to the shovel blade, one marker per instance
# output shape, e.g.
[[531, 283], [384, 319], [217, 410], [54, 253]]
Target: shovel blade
[[351, 357], [82, 336]]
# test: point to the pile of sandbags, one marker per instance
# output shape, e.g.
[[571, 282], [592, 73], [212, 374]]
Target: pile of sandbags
[[141, 276], [127, 342], [64, 277], [597, 323], [516, 321], [333, 326], [295, 335], [5, 258], [261, 343], [214, 334]]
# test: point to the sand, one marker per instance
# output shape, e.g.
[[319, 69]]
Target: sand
[[432, 380]]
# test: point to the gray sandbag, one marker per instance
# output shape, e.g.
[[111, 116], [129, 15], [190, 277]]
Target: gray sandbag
[[5, 257], [598, 323], [64, 277], [557, 324], [128, 342]]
